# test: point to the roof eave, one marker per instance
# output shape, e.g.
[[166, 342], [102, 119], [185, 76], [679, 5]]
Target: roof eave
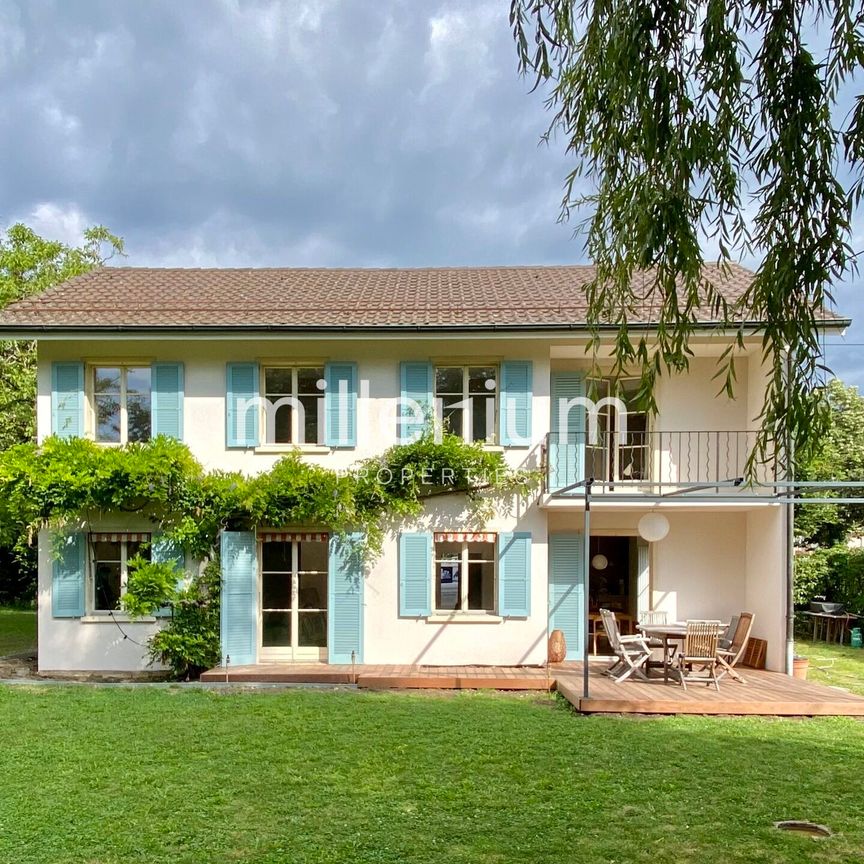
[[52, 331]]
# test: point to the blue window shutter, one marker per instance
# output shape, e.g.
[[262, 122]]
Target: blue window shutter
[[345, 596], [239, 624], [567, 443], [67, 577], [242, 384], [415, 383], [67, 400], [514, 411], [514, 574], [415, 575], [163, 550], [167, 382], [340, 405], [567, 590]]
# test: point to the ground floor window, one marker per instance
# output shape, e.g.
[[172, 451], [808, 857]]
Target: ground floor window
[[294, 595], [111, 554], [464, 574]]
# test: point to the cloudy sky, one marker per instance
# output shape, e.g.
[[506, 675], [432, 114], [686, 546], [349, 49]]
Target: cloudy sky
[[301, 132]]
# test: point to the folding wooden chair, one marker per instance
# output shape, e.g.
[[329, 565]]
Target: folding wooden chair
[[700, 649], [631, 652], [729, 655]]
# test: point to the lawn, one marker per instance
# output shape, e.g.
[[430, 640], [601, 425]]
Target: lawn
[[17, 631], [835, 665], [171, 775]]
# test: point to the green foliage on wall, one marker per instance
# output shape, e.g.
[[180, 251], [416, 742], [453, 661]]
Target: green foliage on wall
[[66, 484]]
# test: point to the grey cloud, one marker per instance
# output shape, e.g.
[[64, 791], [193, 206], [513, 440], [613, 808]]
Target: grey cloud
[[323, 132]]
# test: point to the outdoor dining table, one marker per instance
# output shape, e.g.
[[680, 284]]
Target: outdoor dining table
[[668, 633]]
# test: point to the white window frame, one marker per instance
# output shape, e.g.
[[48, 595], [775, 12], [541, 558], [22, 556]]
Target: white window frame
[[294, 367], [464, 561], [90, 389], [124, 573], [465, 403]]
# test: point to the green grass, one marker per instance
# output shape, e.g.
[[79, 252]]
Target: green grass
[[17, 631], [170, 775], [835, 665]]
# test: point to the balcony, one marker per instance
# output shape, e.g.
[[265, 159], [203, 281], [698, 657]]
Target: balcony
[[653, 463]]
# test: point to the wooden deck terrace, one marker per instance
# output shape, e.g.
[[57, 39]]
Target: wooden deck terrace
[[765, 693]]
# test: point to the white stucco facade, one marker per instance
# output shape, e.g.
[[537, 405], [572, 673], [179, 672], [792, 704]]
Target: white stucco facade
[[716, 561]]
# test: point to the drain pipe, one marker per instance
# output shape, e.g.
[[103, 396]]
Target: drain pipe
[[586, 575], [790, 534]]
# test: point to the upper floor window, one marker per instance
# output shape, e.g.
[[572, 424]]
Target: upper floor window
[[464, 576], [293, 406], [122, 403], [111, 556], [468, 400]]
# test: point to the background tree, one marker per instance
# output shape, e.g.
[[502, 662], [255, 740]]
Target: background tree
[[29, 264], [693, 122], [839, 455]]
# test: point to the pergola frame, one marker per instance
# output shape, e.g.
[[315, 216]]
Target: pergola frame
[[786, 492]]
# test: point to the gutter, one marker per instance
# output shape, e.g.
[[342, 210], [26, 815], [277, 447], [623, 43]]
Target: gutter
[[30, 331]]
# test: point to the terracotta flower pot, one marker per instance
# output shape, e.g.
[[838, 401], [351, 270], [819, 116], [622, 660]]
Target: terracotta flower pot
[[557, 647], [799, 667]]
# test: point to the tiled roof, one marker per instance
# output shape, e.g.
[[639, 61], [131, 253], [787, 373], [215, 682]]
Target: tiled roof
[[142, 297]]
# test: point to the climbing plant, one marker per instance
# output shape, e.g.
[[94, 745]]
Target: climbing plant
[[65, 484]]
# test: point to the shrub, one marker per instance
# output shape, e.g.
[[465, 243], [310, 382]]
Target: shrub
[[838, 573]]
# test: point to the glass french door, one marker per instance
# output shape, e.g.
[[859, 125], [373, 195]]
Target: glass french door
[[293, 600], [614, 457]]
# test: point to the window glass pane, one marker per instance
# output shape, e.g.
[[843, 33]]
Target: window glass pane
[[276, 630], [108, 418], [104, 550], [482, 379], [312, 628], [138, 380], [309, 427], [448, 551], [313, 555], [279, 425], [278, 382], [136, 547], [308, 378], [637, 425], [452, 414], [482, 418], [448, 591], [138, 417], [481, 551], [312, 591], [107, 585], [448, 379], [275, 590], [107, 380], [276, 556], [481, 585]]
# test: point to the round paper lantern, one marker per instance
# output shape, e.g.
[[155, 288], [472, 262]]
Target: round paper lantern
[[653, 527], [599, 562]]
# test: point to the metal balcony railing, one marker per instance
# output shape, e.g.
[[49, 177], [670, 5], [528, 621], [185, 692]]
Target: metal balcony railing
[[650, 462]]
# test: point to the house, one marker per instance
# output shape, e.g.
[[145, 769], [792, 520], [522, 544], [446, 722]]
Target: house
[[246, 365]]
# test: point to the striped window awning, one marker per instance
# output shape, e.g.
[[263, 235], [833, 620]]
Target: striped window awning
[[288, 536], [119, 537], [465, 537]]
